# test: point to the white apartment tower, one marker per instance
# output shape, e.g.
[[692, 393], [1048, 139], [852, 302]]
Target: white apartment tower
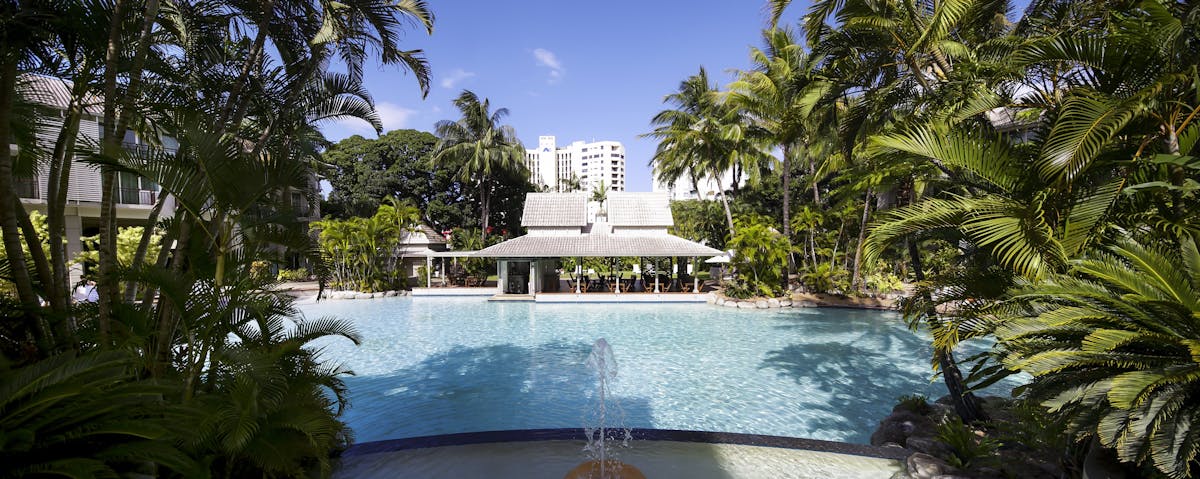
[[590, 164]]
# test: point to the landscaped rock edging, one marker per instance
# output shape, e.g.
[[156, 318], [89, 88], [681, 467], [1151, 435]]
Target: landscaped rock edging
[[719, 299], [361, 295]]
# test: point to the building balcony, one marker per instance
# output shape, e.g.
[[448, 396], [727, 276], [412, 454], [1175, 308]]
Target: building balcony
[[136, 196]]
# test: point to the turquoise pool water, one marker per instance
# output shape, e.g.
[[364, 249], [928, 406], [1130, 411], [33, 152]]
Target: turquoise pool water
[[450, 365]]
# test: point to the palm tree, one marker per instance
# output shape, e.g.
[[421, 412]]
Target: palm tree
[[1111, 343], [480, 146], [702, 136], [779, 95]]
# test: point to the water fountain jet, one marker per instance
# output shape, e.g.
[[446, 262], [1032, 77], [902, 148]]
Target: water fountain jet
[[601, 466]]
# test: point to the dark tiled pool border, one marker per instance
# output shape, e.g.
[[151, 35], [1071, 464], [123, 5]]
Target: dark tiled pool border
[[575, 434]]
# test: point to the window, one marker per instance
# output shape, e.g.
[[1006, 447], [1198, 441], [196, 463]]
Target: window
[[135, 190]]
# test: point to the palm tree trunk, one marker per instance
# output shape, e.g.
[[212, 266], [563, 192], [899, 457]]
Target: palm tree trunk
[[812, 173], [856, 277], [790, 267], [33, 242], [58, 184], [8, 199], [144, 244], [231, 114], [107, 286], [483, 219], [965, 403], [725, 203]]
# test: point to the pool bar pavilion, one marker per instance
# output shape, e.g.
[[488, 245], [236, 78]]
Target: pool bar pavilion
[[563, 225]]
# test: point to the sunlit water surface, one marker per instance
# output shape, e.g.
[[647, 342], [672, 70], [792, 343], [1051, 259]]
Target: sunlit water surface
[[450, 365]]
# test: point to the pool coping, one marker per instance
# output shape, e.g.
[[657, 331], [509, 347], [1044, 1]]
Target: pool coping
[[678, 435]]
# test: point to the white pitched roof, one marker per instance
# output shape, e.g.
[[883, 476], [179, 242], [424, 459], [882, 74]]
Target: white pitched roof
[[555, 209], [639, 209], [55, 92], [596, 245]]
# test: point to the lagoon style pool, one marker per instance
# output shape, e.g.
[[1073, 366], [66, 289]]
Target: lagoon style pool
[[430, 366]]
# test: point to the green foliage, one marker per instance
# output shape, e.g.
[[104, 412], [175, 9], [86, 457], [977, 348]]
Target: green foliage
[[823, 278], [915, 403], [292, 275], [86, 416], [470, 240], [1112, 345], [422, 276], [967, 448], [366, 254], [260, 269], [128, 239], [701, 221], [759, 251]]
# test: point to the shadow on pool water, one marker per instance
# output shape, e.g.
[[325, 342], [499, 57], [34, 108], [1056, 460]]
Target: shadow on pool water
[[490, 388], [861, 381]]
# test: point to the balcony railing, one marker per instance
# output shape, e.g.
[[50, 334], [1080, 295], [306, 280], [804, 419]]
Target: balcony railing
[[27, 188], [136, 196]]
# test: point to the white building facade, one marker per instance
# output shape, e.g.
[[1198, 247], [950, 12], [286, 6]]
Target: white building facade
[[705, 187], [593, 165]]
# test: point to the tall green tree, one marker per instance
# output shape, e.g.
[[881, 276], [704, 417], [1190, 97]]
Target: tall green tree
[[779, 95], [480, 147], [702, 136]]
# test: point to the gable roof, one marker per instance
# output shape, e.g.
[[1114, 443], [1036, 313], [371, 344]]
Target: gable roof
[[639, 209], [555, 209], [55, 93], [433, 236], [601, 245]]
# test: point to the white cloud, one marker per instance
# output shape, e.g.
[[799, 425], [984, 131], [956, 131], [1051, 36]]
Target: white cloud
[[394, 116], [455, 77], [549, 60]]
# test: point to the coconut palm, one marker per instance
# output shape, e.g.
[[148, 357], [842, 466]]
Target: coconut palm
[[779, 95], [1111, 344], [480, 146], [702, 136]]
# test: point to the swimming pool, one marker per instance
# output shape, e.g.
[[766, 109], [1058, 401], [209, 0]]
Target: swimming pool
[[431, 366]]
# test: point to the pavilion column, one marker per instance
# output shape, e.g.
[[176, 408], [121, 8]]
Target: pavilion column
[[531, 288], [501, 275], [618, 290], [695, 276], [578, 274], [428, 271], [656, 277]]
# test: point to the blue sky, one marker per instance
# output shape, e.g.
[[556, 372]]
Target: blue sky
[[575, 70]]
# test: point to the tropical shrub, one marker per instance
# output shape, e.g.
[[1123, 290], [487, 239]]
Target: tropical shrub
[[759, 256], [128, 240], [915, 403], [966, 448], [260, 269], [86, 416], [367, 254], [1113, 346], [822, 278], [884, 282], [292, 275]]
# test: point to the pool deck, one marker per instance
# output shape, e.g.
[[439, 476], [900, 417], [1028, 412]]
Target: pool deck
[[577, 298], [548, 453], [622, 298]]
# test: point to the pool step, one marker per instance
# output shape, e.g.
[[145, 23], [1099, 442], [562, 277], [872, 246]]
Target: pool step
[[513, 297]]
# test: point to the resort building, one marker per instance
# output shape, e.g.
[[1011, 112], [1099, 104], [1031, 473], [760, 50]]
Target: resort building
[[415, 247], [705, 188], [626, 225], [136, 197], [580, 166]]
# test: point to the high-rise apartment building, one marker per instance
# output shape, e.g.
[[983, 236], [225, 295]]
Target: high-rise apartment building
[[588, 165]]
